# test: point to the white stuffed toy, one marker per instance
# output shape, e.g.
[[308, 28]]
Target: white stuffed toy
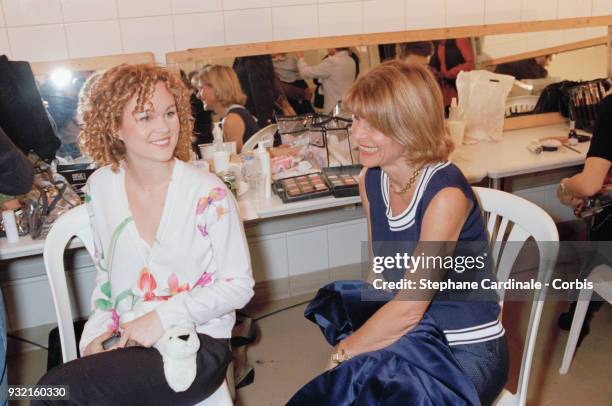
[[178, 347]]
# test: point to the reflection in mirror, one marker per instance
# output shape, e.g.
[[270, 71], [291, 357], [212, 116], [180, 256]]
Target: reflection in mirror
[[540, 59], [60, 92]]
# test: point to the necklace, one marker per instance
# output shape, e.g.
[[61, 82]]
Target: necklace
[[409, 184]]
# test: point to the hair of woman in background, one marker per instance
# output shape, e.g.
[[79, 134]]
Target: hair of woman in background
[[397, 347], [265, 95], [532, 68], [162, 232], [415, 52], [220, 91]]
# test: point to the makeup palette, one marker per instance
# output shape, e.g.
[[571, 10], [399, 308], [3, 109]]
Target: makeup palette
[[343, 180], [301, 188]]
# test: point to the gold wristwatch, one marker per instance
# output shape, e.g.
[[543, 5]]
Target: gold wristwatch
[[339, 355]]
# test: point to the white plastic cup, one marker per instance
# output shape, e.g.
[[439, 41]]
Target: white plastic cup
[[230, 146], [221, 161], [457, 131], [206, 151], [10, 226]]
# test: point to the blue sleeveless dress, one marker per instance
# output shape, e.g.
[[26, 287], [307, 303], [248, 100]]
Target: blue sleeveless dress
[[456, 355]]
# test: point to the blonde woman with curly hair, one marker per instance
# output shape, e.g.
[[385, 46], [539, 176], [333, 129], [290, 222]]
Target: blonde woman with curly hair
[[220, 91], [170, 249]]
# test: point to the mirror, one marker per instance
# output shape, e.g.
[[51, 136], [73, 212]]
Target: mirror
[[491, 52]]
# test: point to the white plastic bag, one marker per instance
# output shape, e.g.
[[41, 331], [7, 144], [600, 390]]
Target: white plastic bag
[[482, 103]]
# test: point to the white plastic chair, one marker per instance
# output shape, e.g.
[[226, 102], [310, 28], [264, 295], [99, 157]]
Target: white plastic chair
[[601, 277], [265, 134], [75, 223], [511, 218]]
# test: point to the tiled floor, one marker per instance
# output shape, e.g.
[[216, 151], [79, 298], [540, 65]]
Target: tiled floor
[[291, 350]]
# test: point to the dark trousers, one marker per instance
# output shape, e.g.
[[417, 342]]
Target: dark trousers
[[135, 376]]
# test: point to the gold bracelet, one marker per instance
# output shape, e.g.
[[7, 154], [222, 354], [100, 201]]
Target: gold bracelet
[[339, 355]]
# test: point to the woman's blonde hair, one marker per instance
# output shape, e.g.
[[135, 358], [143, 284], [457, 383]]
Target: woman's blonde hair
[[405, 103], [102, 104], [225, 82]]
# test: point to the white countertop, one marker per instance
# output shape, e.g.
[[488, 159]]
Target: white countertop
[[508, 157]]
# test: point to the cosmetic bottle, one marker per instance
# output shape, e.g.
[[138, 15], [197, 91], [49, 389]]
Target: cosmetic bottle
[[263, 158]]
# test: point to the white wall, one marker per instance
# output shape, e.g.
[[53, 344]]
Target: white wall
[[38, 30]]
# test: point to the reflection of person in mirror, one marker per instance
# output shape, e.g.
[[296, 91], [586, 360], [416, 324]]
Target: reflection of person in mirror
[[415, 52], [451, 57], [167, 237], [296, 89], [595, 178], [220, 92], [336, 73], [62, 104], [439, 347], [532, 68]]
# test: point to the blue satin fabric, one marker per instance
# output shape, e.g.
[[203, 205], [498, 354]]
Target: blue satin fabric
[[418, 369]]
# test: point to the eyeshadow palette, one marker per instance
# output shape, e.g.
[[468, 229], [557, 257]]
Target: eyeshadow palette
[[343, 180], [301, 188]]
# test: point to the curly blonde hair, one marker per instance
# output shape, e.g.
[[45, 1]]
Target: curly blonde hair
[[103, 103]]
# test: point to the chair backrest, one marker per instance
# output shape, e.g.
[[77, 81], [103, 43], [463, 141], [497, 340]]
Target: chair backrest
[[266, 133], [74, 223], [514, 219]]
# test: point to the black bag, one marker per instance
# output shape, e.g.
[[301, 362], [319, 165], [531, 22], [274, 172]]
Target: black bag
[[555, 97]]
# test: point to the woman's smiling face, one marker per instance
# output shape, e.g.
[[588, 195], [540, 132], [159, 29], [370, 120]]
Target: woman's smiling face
[[375, 148], [151, 135]]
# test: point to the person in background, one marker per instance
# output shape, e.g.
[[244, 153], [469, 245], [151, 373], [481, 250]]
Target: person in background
[[596, 177], [220, 92], [168, 239], [264, 94], [451, 57], [16, 178], [202, 125], [415, 52], [412, 346], [295, 88], [23, 116], [336, 73], [532, 68]]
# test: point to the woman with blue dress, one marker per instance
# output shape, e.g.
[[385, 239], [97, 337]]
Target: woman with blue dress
[[410, 346]]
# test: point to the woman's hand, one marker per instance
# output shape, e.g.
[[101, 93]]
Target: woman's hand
[[567, 198], [299, 54], [145, 330], [95, 346]]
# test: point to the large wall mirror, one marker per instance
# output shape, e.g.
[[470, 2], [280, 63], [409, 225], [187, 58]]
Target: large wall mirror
[[572, 49]]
